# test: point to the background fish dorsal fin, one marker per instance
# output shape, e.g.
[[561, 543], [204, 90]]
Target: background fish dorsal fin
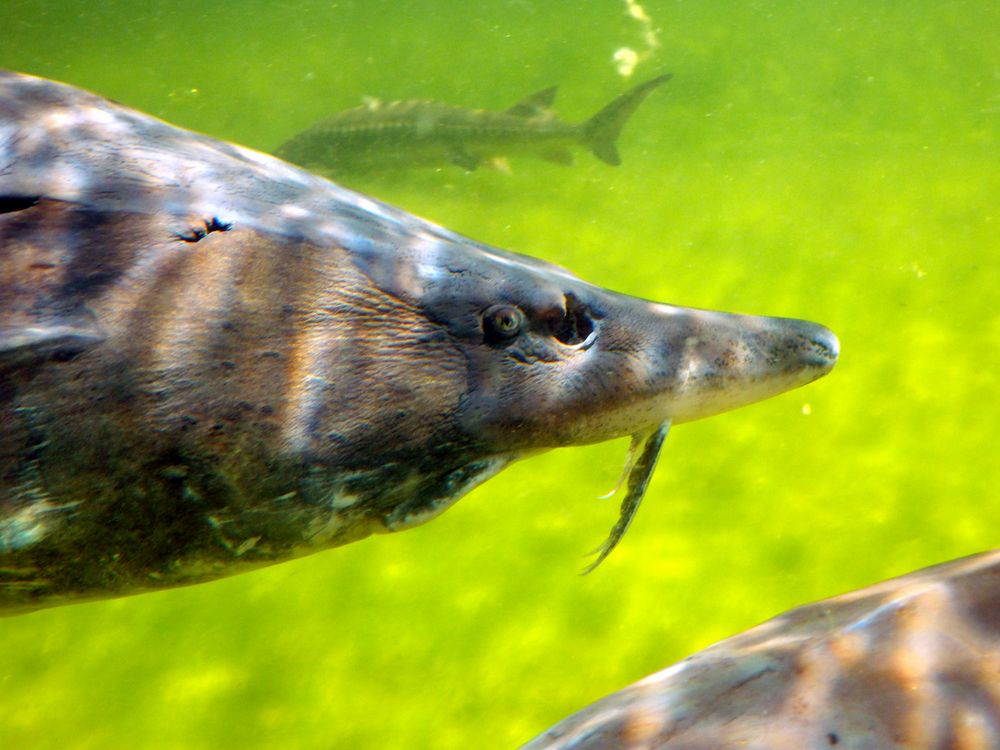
[[535, 104]]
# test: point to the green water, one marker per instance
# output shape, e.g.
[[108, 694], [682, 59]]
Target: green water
[[836, 161]]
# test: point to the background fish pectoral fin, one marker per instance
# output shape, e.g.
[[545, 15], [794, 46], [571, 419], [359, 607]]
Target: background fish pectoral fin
[[561, 156], [464, 159]]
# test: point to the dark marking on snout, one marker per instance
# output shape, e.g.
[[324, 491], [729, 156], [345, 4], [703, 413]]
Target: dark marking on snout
[[199, 233]]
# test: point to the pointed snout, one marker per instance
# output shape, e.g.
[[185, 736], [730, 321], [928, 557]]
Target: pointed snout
[[759, 347], [709, 362], [818, 345]]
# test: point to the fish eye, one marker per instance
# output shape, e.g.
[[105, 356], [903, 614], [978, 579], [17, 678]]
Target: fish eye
[[502, 323]]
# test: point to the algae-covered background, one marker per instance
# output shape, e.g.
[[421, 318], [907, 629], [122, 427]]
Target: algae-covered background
[[836, 161]]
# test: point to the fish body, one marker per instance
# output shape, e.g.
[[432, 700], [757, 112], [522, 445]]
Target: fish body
[[403, 134], [908, 664], [211, 360]]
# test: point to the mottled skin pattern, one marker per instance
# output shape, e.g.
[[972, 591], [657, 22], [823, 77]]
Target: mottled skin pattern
[[908, 664], [211, 360]]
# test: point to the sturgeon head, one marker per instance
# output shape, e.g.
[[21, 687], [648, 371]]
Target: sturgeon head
[[210, 359], [551, 360]]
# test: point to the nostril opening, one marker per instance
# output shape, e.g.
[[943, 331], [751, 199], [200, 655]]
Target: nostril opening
[[11, 203], [575, 325]]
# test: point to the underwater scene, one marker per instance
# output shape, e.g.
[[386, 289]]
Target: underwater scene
[[836, 162]]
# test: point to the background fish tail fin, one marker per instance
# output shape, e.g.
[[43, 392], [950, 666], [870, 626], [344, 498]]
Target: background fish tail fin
[[602, 130]]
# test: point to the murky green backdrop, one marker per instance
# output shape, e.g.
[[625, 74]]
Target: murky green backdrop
[[836, 161]]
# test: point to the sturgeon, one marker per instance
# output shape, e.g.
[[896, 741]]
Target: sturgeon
[[908, 664], [379, 136], [211, 360]]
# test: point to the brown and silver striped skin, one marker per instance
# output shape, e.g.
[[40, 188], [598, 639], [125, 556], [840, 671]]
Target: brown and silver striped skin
[[211, 360], [908, 664]]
